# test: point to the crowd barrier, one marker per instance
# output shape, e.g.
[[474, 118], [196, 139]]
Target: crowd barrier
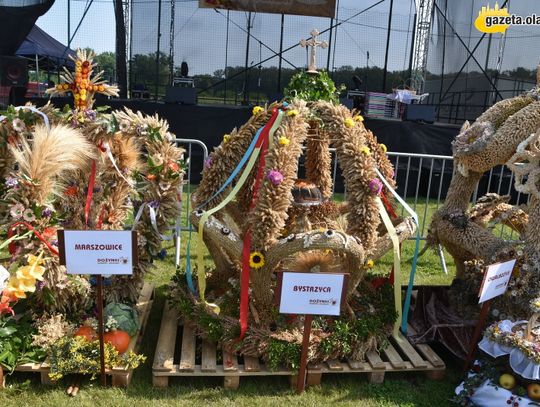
[[421, 179]]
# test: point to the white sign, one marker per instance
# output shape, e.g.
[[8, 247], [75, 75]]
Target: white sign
[[4, 275], [496, 280], [311, 293], [104, 252]]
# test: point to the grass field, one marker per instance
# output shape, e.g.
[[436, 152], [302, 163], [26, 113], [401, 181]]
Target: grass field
[[398, 390]]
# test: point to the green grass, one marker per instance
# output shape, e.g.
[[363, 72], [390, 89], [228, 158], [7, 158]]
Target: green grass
[[406, 390]]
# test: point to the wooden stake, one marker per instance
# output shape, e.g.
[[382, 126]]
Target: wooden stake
[[100, 329], [301, 381], [480, 324]]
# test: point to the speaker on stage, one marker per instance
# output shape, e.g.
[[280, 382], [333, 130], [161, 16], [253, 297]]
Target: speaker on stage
[[186, 96], [13, 71], [420, 113]]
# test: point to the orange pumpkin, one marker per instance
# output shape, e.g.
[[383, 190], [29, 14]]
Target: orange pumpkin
[[86, 332], [118, 338]]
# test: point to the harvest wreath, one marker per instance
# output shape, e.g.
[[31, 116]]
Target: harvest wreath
[[77, 168], [257, 219]]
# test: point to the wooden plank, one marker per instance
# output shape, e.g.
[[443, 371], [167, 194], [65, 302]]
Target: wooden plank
[[187, 355], [334, 365], [430, 355], [357, 365], [163, 358], [208, 358], [394, 358], [251, 364], [375, 361], [230, 362], [413, 356]]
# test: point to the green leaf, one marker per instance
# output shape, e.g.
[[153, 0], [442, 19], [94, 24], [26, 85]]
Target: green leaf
[[7, 331]]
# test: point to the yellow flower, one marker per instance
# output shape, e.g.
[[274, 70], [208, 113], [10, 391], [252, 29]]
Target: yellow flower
[[292, 112], [283, 141], [16, 292], [383, 147], [349, 123], [35, 259], [370, 264], [257, 110], [358, 118], [365, 150], [537, 304], [256, 260], [226, 138], [34, 272], [19, 286]]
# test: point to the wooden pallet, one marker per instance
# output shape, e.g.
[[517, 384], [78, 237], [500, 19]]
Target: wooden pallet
[[198, 357], [121, 376], [399, 356], [202, 363]]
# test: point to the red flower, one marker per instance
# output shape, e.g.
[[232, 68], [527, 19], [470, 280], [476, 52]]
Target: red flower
[[173, 166], [4, 304], [49, 233], [71, 191], [151, 177]]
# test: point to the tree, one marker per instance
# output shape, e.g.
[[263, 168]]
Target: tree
[[106, 61]]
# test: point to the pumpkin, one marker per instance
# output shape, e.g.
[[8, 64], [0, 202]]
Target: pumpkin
[[117, 338], [86, 332]]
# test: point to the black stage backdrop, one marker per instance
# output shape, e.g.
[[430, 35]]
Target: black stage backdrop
[[209, 123]]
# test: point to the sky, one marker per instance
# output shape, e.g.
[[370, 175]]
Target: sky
[[200, 35]]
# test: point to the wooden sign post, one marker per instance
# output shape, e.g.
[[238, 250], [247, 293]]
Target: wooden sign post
[[310, 294], [99, 253], [495, 282]]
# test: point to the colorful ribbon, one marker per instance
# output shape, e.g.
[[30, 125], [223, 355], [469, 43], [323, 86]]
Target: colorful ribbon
[[242, 162], [206, 215], [153, 220], [397, 263], [246, 249], [11, 232], [33, 109], [413, 214], [90, 192], [107, 150]]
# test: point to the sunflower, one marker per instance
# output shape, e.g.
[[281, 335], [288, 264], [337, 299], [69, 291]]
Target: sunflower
[[256, 260]]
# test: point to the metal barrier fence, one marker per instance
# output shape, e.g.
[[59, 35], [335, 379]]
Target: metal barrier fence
[[421, 179]]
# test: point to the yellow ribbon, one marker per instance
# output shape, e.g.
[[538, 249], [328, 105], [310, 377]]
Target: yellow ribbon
[[397, 264], [201, 276]]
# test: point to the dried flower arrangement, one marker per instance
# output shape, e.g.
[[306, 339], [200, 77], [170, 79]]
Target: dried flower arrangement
[[287, 221], [79, 168]]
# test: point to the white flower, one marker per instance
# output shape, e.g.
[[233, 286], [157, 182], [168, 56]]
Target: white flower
[[164, 185], [29, 216], [17, 210], [169, 137], [124, 126], [157, 159], [18, 125]]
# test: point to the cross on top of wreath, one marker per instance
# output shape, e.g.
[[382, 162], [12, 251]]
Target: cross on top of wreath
[[82, 83]]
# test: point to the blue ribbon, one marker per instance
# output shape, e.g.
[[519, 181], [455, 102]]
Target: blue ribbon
[[240, 165], [407, 303], [243, 161]]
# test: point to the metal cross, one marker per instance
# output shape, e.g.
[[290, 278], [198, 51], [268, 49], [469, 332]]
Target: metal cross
[[313, 43]]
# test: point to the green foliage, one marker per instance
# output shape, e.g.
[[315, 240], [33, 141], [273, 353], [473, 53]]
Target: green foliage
[[211, 325], [77, 355], [125, 316], [16, 342], [281, 353], [313, 87], [106, 61]]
